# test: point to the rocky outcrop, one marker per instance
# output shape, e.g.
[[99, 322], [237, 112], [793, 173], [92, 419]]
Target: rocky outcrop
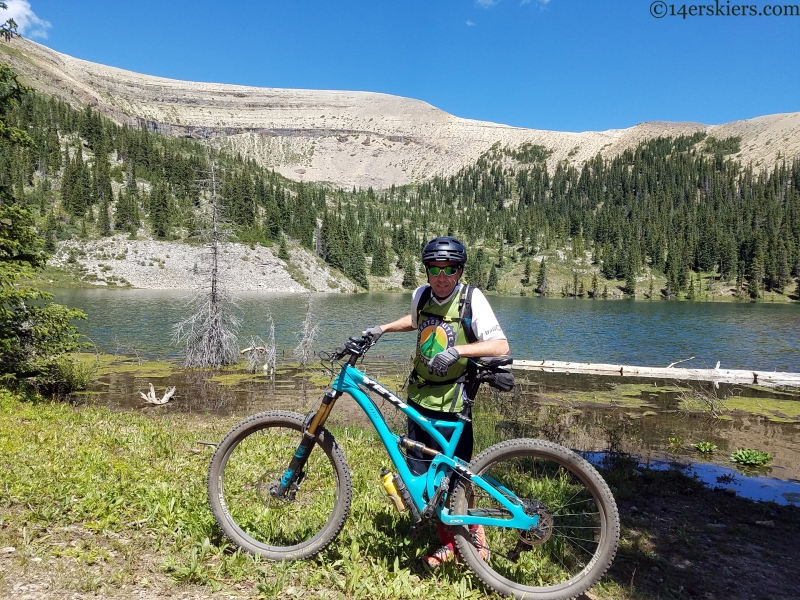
[[346, 138], [151, 264]]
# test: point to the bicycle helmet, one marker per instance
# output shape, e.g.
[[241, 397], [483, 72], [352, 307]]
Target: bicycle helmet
[[444, 248]]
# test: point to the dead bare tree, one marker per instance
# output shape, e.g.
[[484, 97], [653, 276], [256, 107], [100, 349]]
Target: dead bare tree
[[261, 353], [209, 333], [305, 348]]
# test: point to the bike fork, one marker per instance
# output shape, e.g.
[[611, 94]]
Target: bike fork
[[294, 472]]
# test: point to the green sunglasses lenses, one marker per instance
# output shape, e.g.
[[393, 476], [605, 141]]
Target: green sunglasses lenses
[[449, 271]]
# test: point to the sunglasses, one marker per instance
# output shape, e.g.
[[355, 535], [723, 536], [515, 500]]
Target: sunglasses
[[449, 271]]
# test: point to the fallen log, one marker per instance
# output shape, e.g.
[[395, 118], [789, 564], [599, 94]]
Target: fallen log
[[765, 378]]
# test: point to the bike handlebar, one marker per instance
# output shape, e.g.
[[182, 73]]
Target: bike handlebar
[[487, 369], [359, 345]]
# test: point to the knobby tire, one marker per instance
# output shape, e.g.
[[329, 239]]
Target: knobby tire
[[579, 522], [250, 460]]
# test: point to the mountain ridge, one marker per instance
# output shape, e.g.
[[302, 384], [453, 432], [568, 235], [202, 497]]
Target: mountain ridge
[[345, 138]]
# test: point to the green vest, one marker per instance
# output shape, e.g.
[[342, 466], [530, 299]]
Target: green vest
[[439, 328]]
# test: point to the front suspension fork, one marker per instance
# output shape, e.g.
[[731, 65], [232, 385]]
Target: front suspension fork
[[294, 471]]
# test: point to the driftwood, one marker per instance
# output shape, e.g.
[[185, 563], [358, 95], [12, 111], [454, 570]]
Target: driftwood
[[717, 375], [151, 395]]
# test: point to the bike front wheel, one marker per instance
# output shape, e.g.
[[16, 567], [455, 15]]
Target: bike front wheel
[[578, 531], [245, 468]]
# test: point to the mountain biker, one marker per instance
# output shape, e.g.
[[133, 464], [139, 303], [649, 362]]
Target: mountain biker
[[445, 340]]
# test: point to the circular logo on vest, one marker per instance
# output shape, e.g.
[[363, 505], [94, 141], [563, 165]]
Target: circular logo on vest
[[435, 336]]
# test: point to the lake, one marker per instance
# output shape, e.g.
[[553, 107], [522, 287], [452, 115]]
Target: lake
[[758, 336]]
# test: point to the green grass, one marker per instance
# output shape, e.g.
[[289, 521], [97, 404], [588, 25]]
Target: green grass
[[118, 498]]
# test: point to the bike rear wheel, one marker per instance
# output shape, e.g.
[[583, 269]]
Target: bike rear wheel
[[578, 532], [251, 460]]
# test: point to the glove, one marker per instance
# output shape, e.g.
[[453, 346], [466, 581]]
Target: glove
[[373, 333], [444, 360]]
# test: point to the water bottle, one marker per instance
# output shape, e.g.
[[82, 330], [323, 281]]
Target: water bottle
[[388, 484]]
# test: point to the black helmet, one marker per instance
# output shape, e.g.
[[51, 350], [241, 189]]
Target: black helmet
[[444, 248]]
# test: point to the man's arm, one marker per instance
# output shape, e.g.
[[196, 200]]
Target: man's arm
[[486, 348], [401, 324]]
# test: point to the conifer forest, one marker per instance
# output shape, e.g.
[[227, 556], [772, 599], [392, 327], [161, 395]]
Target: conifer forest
[[673, 206]]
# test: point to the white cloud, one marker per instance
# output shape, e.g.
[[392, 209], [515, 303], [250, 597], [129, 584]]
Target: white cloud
[[486, 3], [28, 23], [470, 24]]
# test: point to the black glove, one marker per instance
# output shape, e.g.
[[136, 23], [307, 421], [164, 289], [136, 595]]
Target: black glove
[[444, 360], [373, 333]]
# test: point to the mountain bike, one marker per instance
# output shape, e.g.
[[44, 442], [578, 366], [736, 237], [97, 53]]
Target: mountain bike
[[279, 486]]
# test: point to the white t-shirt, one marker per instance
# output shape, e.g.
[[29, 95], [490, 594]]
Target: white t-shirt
[[484, 323]]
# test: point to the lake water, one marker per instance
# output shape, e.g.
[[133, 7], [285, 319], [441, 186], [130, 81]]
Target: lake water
[[760, 336]]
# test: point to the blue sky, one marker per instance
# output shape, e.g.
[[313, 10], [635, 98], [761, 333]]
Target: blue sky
[[566, 65]]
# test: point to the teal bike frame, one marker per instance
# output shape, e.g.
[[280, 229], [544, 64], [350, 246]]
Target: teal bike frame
[[430, 485]]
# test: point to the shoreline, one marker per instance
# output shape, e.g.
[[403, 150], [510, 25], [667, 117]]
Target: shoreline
[[121, 262]]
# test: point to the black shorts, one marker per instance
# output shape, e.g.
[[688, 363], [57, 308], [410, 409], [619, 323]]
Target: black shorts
[[418, 462]]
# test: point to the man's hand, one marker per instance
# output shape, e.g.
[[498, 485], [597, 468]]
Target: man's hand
[[443, 361], [373, 333]]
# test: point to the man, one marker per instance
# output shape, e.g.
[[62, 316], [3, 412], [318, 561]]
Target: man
[[444, 343]]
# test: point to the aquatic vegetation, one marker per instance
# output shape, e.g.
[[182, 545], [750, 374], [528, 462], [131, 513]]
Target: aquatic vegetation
[[705, 447], [749, 457], [675, 444], [110, 364], [786, 411], [624, 395]]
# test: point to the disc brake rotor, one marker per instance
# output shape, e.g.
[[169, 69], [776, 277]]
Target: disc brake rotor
[[266, 487], [539, 534]]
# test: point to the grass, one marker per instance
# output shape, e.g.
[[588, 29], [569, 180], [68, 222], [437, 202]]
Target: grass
[[104, 502], [115, 498]]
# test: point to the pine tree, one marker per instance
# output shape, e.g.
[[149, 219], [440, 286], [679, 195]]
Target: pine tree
[[491, 285], [357, 264], [691, 292], [80, 190], [593, 291], [283, 252], [103, 221], [527, 277], [475, 271], [409, 273], [541, 279], [160, 210], [380, 262], [630, 284]]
